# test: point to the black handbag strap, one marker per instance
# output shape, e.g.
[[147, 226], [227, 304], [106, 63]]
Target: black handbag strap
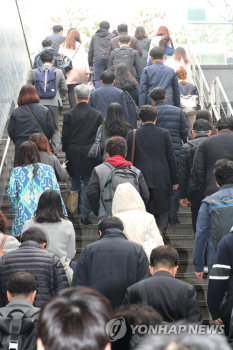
[[136, 107], [35, 119]]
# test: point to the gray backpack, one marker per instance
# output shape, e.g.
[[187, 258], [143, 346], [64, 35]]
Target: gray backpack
[[222, 215], [123, 56], [116, 177]]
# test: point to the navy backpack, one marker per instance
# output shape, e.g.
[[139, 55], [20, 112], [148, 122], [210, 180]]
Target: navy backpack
[[46, 83]]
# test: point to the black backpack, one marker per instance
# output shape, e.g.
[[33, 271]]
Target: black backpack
[[18, 334], [123, 56], [193, 150]]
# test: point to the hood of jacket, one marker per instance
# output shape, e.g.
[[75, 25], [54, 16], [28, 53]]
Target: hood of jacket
[[118, 161], [102, 32], [127, 198], [50, 48]]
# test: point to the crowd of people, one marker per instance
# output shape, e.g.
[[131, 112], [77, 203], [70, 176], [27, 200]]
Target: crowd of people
[[138, 144]]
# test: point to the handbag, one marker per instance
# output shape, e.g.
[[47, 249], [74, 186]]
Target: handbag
[[149, 242], [70, 199], [95, 150], [136, 107], [67, 65], [51, 147], [188, 104]]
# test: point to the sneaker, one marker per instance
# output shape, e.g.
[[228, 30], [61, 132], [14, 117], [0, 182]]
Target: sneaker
[[86, 221], [173, 220]]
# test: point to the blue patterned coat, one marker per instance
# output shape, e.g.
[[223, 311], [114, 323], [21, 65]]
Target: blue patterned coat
[[25, 189]]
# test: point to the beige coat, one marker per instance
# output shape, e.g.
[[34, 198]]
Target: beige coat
[[79, 62], [129, 207]]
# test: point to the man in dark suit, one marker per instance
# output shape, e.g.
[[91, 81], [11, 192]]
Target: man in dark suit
[[154, 156], [102, 97], [174, 300], [172, 119], [209, 151], [79, 129], [122, 29], [111, 264], [159, 75]]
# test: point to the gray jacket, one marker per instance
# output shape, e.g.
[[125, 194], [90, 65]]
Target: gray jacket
[[99, 46], [20, 304], [52, 160], [57, 40], [60, 85]]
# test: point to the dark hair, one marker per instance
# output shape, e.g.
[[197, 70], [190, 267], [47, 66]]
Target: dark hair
[[75, 319], [107, 77], [179, 54], [148, 113], [47, 42], [164, 255], [28, 154], [3, 222], [162, 31], [72, 37], [124, 39], [28, 94], [225, 123], [181, 74], [140, 33], [49, 208], [135, 315], [124, 79], [112, 69], [21, 283], [34, 234], [164, 41], [57, 28], [115, 32], [116, 146], [69, 30], [115, 122], [223, 171], [204, 114], [110, 222], [104, 25], [121, 28], [157, 53], [158, 94], [41, 142], [202, 125], [46, 56]]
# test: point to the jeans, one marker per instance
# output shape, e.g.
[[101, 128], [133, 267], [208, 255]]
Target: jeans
[[195, 200], [80, 183], [174, 203], [71, 96], [99, 66], [55, 140]]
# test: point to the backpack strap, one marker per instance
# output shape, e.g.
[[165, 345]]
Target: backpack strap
[[208, 200], [4, 311], [3, 241], [31, 312], [169, 51], [191, 144]]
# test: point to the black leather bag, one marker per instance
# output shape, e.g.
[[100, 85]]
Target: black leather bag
[[67, 65], [96, 149]]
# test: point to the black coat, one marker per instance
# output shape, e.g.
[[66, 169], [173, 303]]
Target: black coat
[[131, 107], [111, 265], [154, 156], [43, 265], [187, 184], [174, 300], [22, 124], [79, 129], [173, 119], [208, 152]]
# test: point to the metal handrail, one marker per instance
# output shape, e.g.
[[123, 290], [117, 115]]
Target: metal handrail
[[4, 155], [219, 90]]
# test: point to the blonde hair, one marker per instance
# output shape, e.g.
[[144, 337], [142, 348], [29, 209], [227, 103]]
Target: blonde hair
[[181, 74]]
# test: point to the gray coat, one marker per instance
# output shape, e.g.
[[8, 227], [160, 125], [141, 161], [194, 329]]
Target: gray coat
[[60, 85], [52, 160]]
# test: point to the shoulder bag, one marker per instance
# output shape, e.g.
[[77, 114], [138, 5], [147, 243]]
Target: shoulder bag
[[95, 150], [51, 148], [67, 65], [136, 107], [70, 199]]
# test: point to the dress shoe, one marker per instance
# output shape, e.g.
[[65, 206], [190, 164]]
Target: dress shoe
[[86, 221], [173, 220]]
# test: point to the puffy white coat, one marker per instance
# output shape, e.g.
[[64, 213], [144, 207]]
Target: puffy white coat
[[129, 207]]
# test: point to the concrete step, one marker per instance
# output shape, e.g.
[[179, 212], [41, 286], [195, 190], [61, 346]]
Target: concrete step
[[185, 253], [192, 279], [180, 229], [177, 241], [185, 218]]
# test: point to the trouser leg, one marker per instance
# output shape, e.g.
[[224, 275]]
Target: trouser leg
[[77, 186], [86, 209], [195, 200], [160, 200], [71, 95], [55, 140], [99, 67], [174, 203]]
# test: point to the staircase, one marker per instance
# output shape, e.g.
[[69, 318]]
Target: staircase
[[179, 236]]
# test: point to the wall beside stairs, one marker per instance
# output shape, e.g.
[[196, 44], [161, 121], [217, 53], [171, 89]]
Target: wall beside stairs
[[14, 62]]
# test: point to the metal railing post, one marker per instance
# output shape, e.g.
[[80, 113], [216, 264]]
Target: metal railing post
[[217, 96], [201, 94]]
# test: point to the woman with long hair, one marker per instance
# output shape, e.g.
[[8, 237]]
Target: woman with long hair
[[125, 81], [73, 48], [27, 181], [115, 124], [59, 230], [47, 157], [144, 42], [163, 30], [23, 124], [178, 59]]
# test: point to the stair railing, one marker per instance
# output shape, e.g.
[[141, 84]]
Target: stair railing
[[220, 97]]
